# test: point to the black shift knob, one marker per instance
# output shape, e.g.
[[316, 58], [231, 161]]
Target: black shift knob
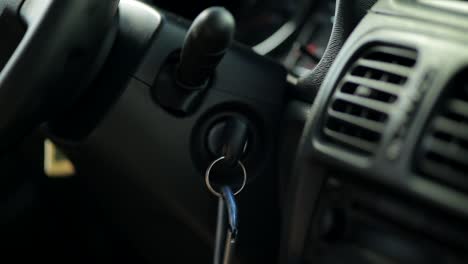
[[206, 42]]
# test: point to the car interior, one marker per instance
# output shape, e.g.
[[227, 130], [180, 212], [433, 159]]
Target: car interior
[[248, 131]]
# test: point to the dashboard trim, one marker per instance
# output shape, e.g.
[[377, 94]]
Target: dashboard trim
[[398, 173]]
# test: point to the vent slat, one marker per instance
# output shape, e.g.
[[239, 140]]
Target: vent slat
[[352, 141], [374, 105], [404, 53], [444, 173], [459, 107], [368, 124], [449, 150], [444, 149], [378, 85], [386, 67], [365, 97], [451, 127]]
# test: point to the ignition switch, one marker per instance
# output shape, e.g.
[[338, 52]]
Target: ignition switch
[[229, 138]]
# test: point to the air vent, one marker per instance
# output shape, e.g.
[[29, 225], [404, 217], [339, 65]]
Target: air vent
[[444, 147], [366, 95]]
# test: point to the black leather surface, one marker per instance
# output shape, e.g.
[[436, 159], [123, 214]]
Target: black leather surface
[[347, 15], [52, 61]]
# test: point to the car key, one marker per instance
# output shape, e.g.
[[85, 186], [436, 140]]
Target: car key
[[226, 228], [232, 220], [227, 218], [221, 225]]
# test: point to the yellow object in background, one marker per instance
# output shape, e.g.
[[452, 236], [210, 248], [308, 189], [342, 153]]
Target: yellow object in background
[[56, 163]]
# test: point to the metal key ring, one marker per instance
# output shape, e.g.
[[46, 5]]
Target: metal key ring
[[208, 171]]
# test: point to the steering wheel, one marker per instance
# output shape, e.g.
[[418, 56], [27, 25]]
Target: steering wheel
[[47, 56]]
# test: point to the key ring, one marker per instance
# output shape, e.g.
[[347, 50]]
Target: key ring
[[208, 182]]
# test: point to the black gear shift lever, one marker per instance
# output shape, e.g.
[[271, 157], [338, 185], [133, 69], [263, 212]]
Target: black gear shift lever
[[205, 44]]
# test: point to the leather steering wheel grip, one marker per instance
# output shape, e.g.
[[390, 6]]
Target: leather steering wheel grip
[[348, 13], [54, 60]]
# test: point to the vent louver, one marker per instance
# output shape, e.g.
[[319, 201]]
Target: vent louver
[[444, 147], [362, 102]]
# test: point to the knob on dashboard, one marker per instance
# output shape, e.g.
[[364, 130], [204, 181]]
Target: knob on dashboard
[[205, 44]]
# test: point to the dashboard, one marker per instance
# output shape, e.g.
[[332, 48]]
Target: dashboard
[[387, 140], [380, 172], [380, 176]]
